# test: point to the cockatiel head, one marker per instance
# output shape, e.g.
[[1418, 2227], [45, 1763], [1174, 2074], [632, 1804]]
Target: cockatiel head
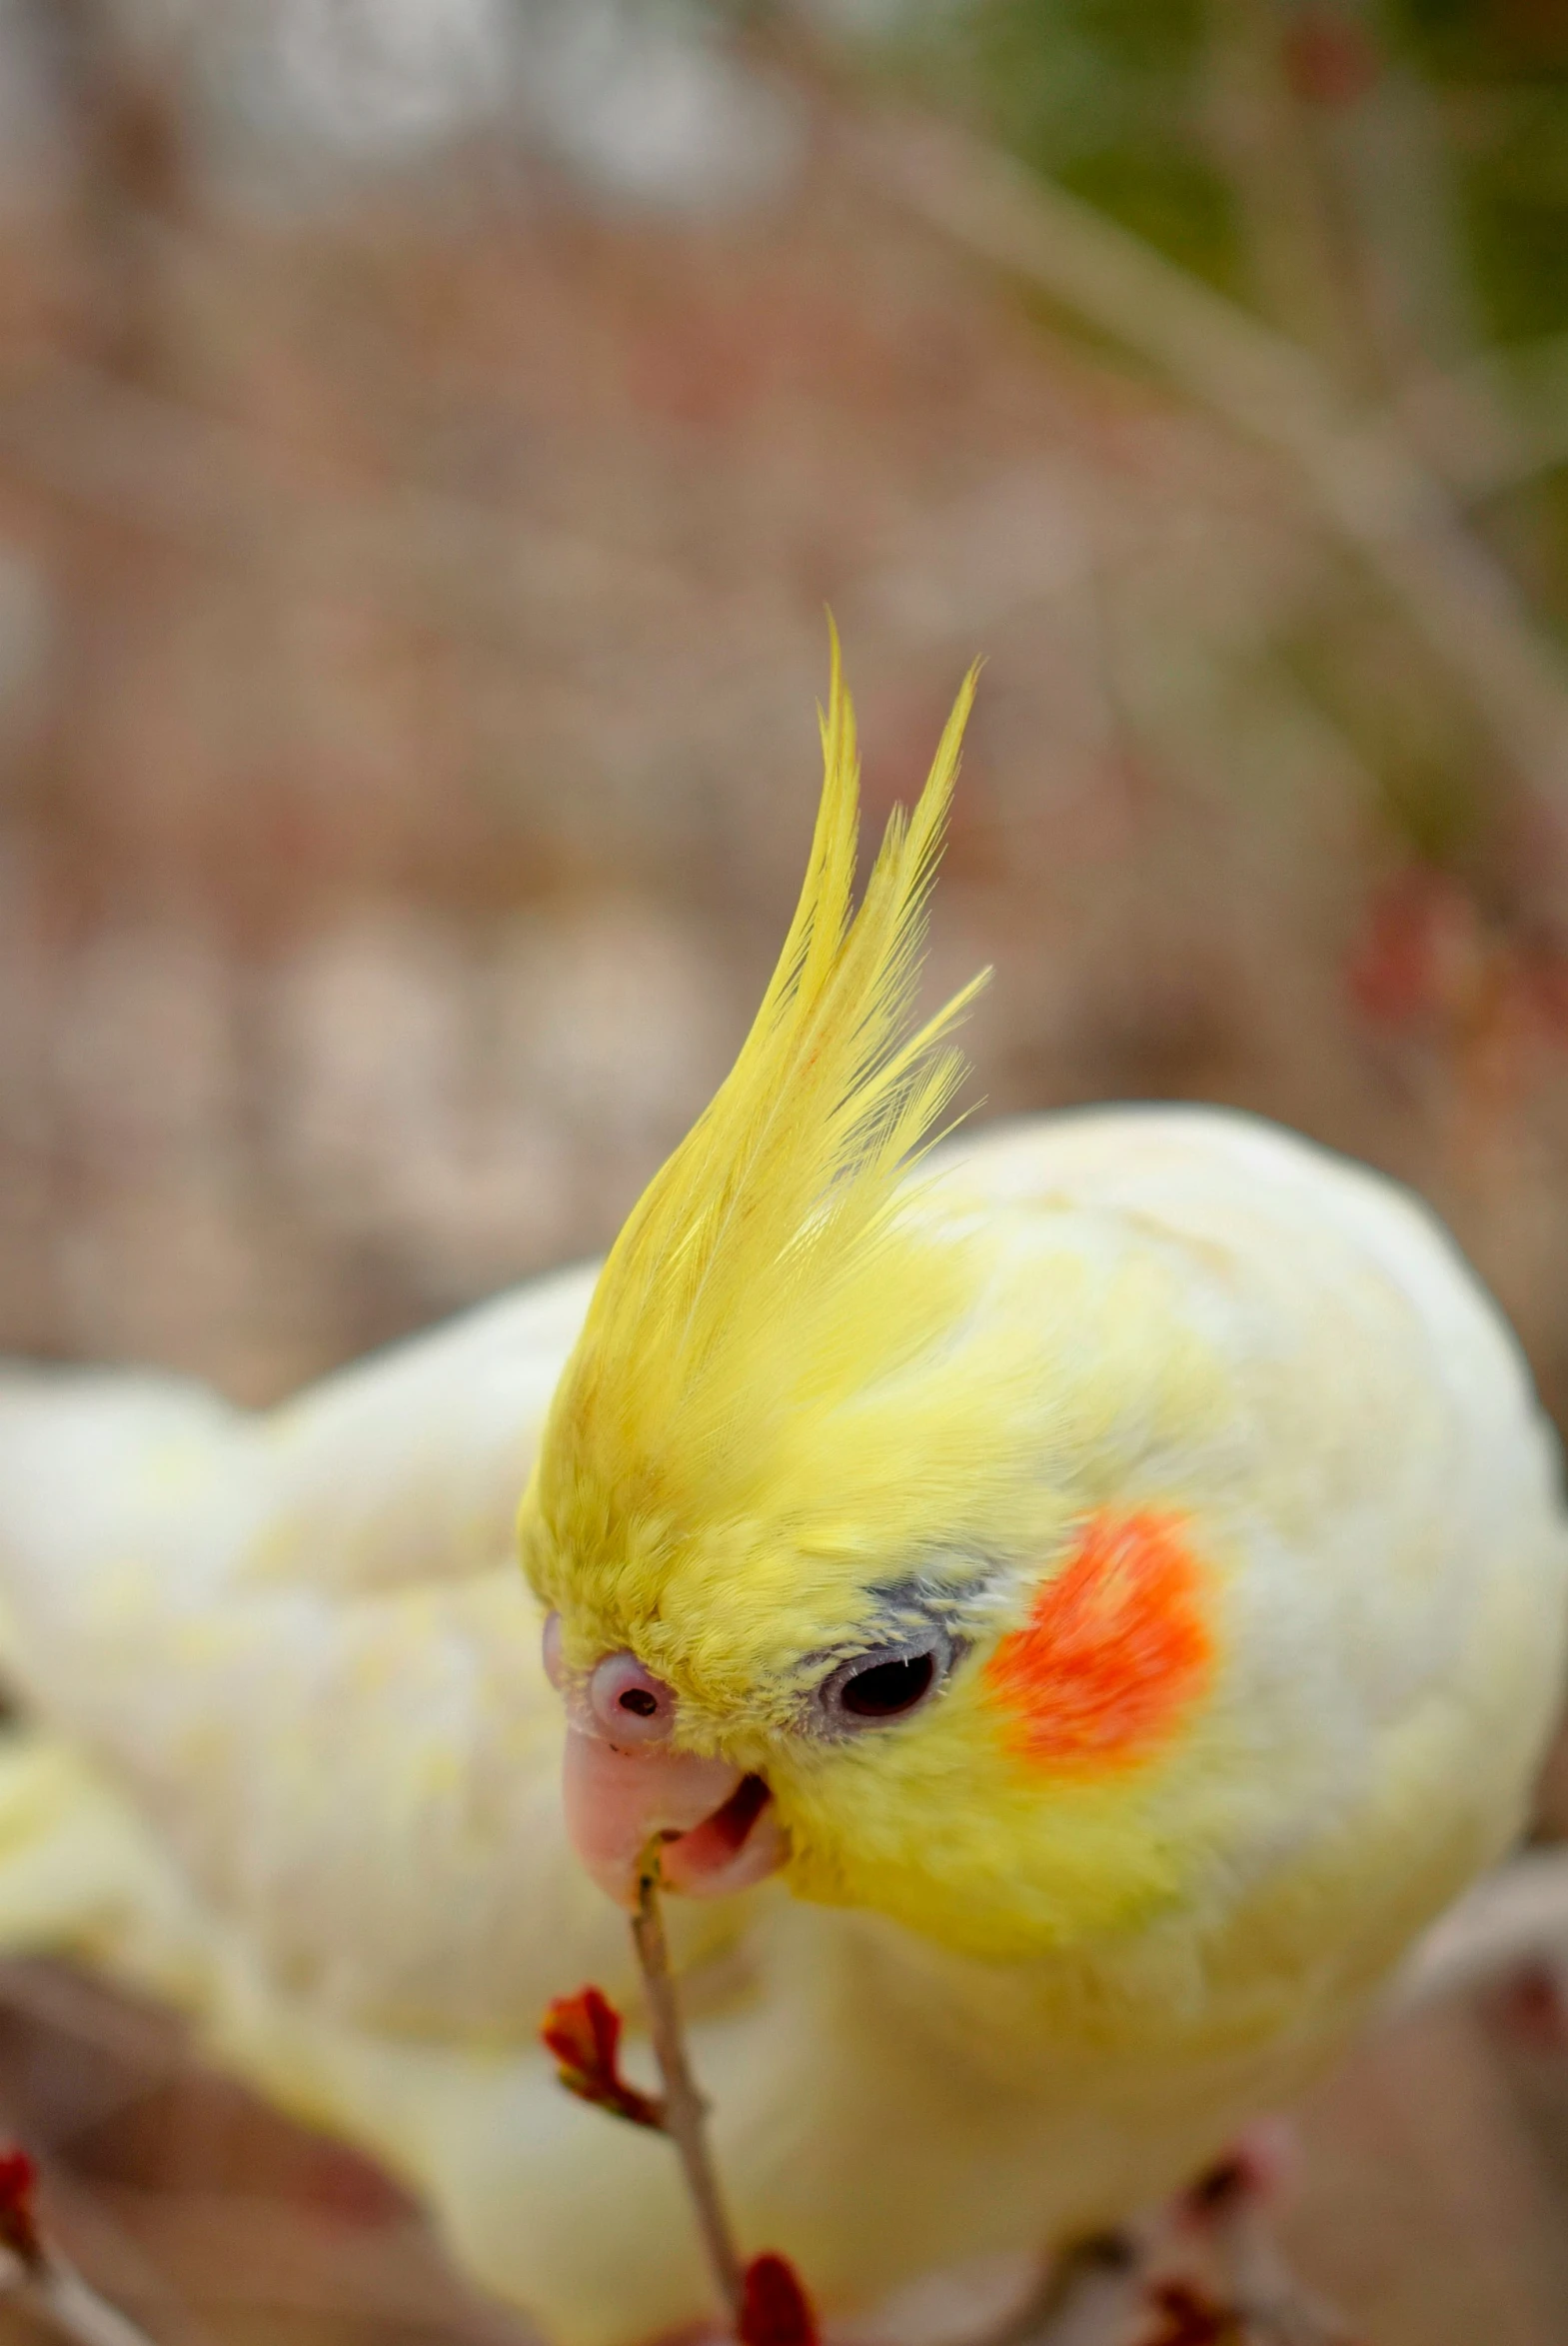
[[824, 1591]]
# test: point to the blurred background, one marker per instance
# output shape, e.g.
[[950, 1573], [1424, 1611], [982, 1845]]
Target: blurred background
[[430, 431]]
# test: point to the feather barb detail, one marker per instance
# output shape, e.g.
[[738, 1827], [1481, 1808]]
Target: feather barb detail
[[739, 1283]]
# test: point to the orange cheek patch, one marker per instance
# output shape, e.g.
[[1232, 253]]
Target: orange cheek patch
[[1114, 1649]]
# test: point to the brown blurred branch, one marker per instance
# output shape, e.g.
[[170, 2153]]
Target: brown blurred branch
[[70, 2305], [1345, 187], [1083, 2295], [1374, 492], [119, 99], [1499, 420], [1296, 256], [1514, 1920], [44, 2280], [141, 457]]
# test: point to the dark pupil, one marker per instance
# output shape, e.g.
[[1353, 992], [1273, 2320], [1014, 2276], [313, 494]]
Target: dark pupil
[[889, 1686], [640, 1699]]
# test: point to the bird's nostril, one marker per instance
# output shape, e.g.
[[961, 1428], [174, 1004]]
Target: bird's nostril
[[629, 1704]]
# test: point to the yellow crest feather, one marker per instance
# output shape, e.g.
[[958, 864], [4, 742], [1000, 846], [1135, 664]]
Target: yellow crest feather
[[736, 1295]]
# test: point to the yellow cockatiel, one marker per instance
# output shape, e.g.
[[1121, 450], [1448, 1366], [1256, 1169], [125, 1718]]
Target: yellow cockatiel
[[1082, 1600]]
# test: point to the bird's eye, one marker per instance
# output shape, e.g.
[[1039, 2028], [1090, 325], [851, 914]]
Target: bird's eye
[[889, 1687], [886, 1683]]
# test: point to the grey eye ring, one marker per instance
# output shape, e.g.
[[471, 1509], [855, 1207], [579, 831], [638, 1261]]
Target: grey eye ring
[[885, 1683]]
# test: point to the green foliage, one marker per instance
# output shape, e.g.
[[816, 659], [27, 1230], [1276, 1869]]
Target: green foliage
[[1502, 40], [1500, 68], [1112, 98], [1108, 96]]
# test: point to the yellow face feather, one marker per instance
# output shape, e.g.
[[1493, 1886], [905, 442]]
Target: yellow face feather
[[800, 1413]]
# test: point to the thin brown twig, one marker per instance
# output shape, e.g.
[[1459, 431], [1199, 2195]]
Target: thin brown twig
[[1082, 2297], [1271, 2306], [1513, 1917], [35, 2273], [56, 2291], [684, 2110]]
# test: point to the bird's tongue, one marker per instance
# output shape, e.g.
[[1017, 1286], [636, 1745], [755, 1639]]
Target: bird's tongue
[[717, 1826]]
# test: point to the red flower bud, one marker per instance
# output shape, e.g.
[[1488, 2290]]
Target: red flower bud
[[18, 2217], [1328, 58], [584, 2033], [1188, 2318], [774, 2309], [1422, 955]]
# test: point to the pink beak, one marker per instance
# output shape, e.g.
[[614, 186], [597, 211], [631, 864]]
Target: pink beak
[[624, 1789]]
